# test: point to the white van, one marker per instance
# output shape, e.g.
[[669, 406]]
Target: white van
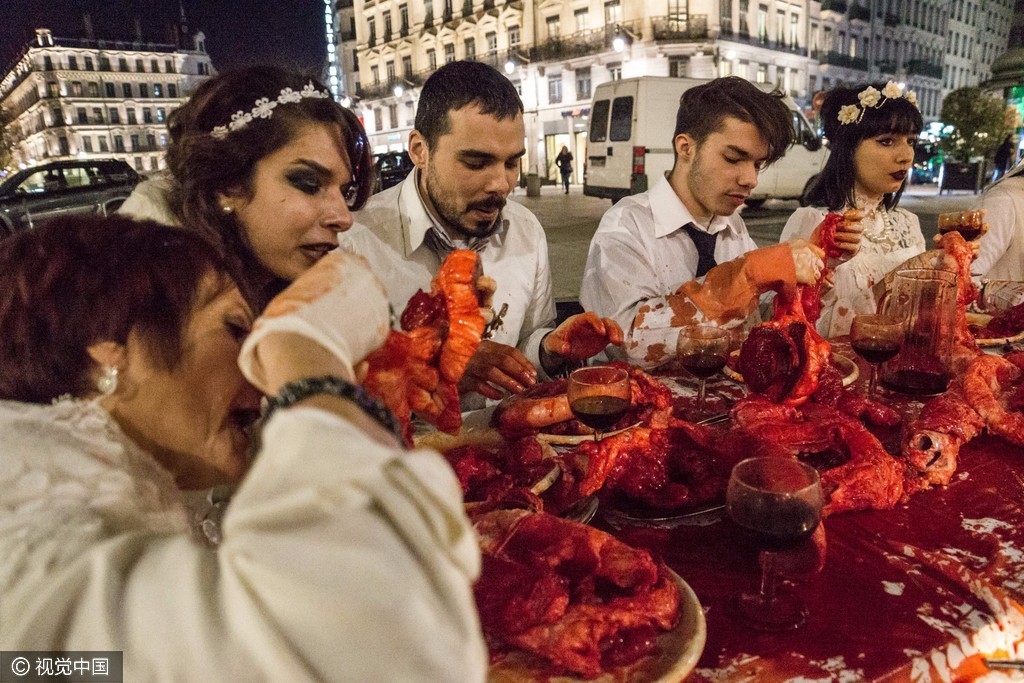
[[630, 142]]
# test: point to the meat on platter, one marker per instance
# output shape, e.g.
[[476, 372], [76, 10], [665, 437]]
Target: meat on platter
[[574, 597]]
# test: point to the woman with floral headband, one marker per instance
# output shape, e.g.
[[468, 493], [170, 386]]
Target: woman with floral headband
[[266, 164], [871, 133]]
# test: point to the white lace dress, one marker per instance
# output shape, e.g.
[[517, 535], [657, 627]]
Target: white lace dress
[[889, 239]]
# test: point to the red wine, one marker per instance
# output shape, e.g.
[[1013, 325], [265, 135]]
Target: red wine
[[703, 365], [599, 412], [876, 350], [919, 382], [775, 525], [969, 232]]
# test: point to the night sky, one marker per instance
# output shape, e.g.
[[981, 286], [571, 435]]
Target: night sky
[[237, 31]]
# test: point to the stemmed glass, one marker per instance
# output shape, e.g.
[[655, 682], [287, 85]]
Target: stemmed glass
[[777, 500], [876, 339], [599, 396], [703, 350]]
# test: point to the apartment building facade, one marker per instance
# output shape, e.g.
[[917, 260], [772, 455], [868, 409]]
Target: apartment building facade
[[557, 51], [69, 98]]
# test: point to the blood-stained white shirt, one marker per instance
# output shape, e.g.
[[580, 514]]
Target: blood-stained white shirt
[[640, 255]]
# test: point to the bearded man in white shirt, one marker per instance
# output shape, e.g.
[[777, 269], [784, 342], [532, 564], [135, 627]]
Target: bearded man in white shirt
[[653, 264], [467, 147]]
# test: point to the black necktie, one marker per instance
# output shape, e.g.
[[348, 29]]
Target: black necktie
[[705, 244]]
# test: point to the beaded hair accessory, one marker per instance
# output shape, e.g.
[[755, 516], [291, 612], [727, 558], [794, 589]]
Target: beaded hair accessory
[[871, 97], [264, 108]]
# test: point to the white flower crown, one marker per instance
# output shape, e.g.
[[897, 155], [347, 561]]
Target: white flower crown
[[871, 97], [264, 108]]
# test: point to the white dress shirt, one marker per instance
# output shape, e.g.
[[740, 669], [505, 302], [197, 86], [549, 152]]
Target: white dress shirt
[[342, 559], [1001, 256], [888, 240], [390, 232], [640, 254]]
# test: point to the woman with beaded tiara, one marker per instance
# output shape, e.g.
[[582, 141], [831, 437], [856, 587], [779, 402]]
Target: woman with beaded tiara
[[266, 164], [871, 132]]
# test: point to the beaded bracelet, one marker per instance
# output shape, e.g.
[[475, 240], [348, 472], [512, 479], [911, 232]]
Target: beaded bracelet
[[293, 392]]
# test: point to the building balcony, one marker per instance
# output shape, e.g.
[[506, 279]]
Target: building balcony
[[923, 67], [343, 4], [887, 67], [837, 6], [377, 91], [694, 28], [761, 41], [840, 59], [891, 19]]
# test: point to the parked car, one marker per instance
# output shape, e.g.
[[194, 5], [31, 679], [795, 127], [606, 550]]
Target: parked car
[[630, 147], [61, 188], [391, 168]]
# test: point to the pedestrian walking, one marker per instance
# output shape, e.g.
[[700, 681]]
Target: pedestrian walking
[[564, 163]]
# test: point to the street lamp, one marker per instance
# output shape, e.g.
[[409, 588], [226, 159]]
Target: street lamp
[[623, 38], [400, 86], [515, 59]]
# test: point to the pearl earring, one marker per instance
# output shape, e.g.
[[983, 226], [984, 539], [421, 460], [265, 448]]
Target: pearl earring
[[227, 209], [107, 383]]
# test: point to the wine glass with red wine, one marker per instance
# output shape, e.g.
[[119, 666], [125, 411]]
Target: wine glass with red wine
[[876, 339], [776, 501], [599, 396], [702, 350]]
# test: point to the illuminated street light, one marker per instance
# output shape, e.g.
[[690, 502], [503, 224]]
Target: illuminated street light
[[399, 90]]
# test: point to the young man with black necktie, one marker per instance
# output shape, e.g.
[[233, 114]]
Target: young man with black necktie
[[679, 253]]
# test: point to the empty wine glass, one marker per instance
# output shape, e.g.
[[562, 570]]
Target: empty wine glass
[[777, 500], [876, 339], [703, 351], [599, 396]]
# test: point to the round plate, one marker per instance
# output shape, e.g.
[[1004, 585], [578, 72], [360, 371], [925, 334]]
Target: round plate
[[703, 515], [575, 439], [679, 651], [983, 319], [847, 368]]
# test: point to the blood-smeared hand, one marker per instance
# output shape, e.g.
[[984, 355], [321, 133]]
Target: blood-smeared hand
[[496, 367], [582, 336]]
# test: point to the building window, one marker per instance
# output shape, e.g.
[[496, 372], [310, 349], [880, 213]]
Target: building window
[[449, 53], [432, 59], [58, 117], [104, 63], [118, 143], [582, 18], [168, 66], [724, 67], [76, 88], [83, 116], [762, 73], [677, 66], [403, 14], [513, 37], [161, 114], [393, 115], [407, 65], [158, 90], [794, 30], [744, 11], [612, 13], [104, 147], [135, 143], [147, 115], [150, 141], [97, 115], [762, 23], [88, 64], [615, 71], [52, 89], [132, 118], [389, 68], [139, 66], [93, 88], [154, 66], [518, 85], [65, 149], [470, 48], [48, 63], [172, 90], [583, 89], [86, 143], [115, 116], [126, 89], [725, 15], [554, 27], [122, 64], [780, 27], [143, 90], [378, 119], [555, 89], [387, 26], [375, 75], [492, 43], [73, 63], [373, 30]]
